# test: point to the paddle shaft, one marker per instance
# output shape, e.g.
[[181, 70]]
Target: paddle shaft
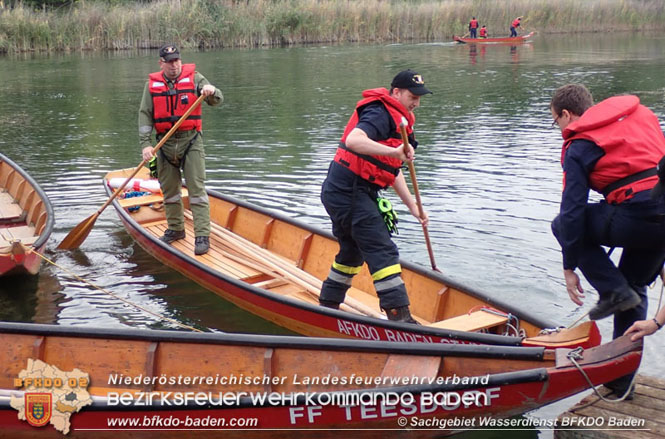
[[78, 234], [414, 182]]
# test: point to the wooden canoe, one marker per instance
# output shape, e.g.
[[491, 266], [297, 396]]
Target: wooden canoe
[[228, 372], [26, 220], [273, 266], [517, 39]]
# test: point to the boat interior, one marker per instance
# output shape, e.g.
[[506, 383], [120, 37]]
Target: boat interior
[[23, 214]]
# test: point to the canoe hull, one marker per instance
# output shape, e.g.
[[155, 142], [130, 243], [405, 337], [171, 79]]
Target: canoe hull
[[442, 298], [508, 381], [518, 39]]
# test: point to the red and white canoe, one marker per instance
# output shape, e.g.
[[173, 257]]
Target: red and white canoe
[[272, 265], [172, 384], [26, 220], [518, 39]]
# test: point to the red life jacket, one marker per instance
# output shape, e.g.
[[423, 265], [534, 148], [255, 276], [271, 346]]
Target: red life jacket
[[483, 32], [516, 22], [377, 169], [633, 142], [169, 105], [473, 24]]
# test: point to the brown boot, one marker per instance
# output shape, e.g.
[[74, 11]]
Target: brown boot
[[401, 314]]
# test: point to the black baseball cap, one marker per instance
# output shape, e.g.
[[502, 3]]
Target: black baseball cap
[[411, 81], [169, 52]]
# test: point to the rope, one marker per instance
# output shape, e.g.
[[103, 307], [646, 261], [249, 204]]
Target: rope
[[579, 320], [77, 277], [576, 354]]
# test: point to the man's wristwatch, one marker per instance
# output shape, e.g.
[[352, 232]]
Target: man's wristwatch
[[657, 324]]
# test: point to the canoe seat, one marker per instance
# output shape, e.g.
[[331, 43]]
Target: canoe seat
[[25, 234], [474, 321], [10, 211]]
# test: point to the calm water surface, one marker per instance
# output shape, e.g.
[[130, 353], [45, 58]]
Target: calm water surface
[[488, 166]]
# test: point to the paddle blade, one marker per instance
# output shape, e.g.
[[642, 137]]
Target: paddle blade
[[78, 234]]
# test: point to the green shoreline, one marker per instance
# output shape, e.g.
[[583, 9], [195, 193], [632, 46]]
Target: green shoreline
[[107, 25]]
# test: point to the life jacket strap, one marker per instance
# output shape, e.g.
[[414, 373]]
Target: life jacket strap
[[628, 180], [378, 163]]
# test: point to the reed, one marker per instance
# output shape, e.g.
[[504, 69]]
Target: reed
[[91, 25]]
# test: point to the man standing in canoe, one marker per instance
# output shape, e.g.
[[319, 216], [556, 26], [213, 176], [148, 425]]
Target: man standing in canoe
[[167, 96], [612, 147], [514, 25], [367, 160], [473, 27]]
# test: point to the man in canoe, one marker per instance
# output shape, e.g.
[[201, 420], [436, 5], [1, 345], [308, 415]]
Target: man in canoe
[[514, 25], [483, 32], [473, 27], [368, 159], [167, 95], [612, 147]]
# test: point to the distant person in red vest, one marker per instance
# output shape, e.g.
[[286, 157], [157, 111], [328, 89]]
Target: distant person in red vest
[[514, 25], [473, 27], [483, 32], [615, 148]]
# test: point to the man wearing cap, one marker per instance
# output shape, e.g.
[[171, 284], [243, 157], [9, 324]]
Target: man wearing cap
[[166, 97], [612, 147], [368, 159]]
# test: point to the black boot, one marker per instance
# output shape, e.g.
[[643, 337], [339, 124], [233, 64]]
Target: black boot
[[401, 314], [619, 300], [329, 304]]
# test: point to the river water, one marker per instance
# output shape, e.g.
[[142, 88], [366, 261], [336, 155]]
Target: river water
[[488, 166]]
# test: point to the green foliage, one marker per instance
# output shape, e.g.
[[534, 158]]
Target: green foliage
[[122, 24]]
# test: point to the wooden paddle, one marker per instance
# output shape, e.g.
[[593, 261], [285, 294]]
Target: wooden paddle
[[414, 182], [78, 234]]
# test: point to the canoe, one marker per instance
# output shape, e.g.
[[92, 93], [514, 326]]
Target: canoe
[[26, 220], [158, 383], [272, 265], [517, 39]]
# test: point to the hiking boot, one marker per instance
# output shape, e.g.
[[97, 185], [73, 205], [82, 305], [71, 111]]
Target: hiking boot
[[401, 314], [201, 245], [172, 235], [329, 304], [622, 300], [619, 387]]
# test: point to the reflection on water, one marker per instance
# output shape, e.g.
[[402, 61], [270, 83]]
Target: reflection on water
[[488, 165]]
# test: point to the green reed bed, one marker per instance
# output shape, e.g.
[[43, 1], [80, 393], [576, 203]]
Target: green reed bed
[[91, 25]]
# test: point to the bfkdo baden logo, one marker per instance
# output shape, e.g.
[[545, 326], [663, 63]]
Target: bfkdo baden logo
[[37, 408], [50, 395]]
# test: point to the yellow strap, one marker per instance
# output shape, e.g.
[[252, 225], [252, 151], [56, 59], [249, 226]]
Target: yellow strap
[[387, 271], [346, 269]]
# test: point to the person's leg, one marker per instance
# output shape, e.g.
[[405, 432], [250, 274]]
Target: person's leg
[[170, 181], [348, 260]]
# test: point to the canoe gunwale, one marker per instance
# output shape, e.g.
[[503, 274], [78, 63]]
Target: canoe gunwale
[[279, 341]]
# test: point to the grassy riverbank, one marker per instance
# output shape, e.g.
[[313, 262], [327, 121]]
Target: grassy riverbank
[[93, 25]]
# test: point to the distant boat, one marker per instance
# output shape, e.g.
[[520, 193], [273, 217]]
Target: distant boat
[[518, 39], [138, 379], [272, 265], [26, 220]]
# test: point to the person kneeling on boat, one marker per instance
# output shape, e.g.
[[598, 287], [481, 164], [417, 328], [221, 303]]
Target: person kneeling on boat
[[367, 160], [614, 148], [483, 32], [167, 95]]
